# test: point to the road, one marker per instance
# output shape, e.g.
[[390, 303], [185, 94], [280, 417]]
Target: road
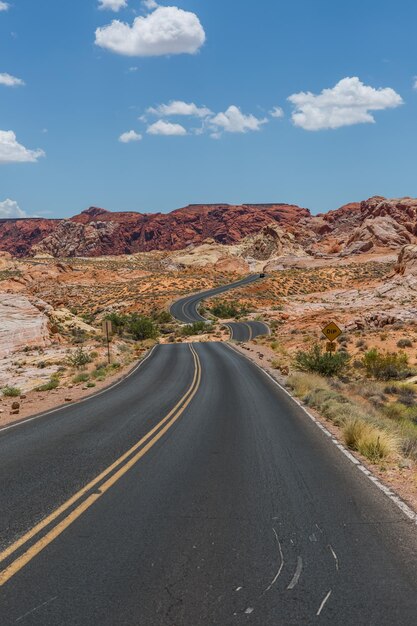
[[186, 310], [195, 493]]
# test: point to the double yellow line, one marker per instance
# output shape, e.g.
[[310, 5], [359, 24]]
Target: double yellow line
[[113, 474]]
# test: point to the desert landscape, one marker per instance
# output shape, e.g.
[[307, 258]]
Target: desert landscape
[[356, 266]]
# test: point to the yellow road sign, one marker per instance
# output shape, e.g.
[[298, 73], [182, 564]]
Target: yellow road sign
[[331, 331], [331, 347]]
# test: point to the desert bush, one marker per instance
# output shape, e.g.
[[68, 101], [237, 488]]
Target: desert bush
[[375, 444], [53, 383], [80, 378], [141, 327], [226, 310], [404, 343], [162, 317], [118, 321], [386, 365], [79, 358], [317, 361], [197, 328], [11, 392], [302, 383]]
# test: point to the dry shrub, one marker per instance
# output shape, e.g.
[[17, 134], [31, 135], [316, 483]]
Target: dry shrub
[[373, 443], [302, 384]]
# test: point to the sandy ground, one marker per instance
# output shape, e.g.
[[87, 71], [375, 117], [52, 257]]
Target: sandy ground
[[401, 480]]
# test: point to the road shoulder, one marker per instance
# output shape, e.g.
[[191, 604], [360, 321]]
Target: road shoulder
[[399, 484], [36, 404]]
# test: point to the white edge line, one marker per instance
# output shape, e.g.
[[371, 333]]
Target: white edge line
[[324, 602], [91, 397], [277, 575], [296, 577], [386, 490]]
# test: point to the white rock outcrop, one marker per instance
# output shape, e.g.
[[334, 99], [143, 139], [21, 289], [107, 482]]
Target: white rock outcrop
[[21, 324]]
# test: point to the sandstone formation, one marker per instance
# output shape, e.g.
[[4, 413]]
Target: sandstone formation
[[379, 232], [407, 261], [271, 242], [22, 324], [374, 225]]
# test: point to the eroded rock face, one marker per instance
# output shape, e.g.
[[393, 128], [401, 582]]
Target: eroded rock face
[[407, 261], [271, 242], [97, 232], [377, 232], [355, 228], [22, 324]]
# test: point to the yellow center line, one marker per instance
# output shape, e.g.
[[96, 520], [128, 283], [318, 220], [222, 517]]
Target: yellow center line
[[37, 547]]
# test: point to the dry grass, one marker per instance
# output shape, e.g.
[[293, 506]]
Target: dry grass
[[375, 444], [366, 431], [303, 384]]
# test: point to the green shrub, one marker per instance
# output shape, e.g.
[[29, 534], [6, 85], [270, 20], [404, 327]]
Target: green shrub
[[11, 392], [79, 358], [162, 317], [319, 362], [386, 365], [194, 329], [80, 378], [226, 310], [141, 327], [404, 343], [51, 384], [118, 321]]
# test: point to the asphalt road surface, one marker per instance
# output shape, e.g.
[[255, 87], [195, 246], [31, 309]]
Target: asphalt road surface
[[195, 492], [186, 310]]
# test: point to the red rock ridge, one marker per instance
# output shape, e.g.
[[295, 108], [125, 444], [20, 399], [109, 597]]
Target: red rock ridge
[[353, 228]]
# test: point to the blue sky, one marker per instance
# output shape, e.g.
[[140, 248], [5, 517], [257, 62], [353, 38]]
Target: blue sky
[[78, 131]]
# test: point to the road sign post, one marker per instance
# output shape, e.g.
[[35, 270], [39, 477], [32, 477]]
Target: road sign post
[[331, 332], [107, 331]]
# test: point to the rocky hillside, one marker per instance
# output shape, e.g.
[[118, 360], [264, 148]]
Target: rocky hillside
[[374, 225]]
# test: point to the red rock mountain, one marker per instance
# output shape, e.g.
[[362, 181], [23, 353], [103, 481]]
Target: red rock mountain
[[373, 225]]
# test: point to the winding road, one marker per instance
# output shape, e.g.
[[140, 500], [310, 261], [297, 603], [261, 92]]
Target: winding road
[[195, 492], [186, 311]]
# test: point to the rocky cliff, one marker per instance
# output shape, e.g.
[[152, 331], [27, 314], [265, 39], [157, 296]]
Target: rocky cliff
[[373, 225]]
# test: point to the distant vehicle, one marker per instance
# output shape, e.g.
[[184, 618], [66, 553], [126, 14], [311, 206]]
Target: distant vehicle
[[261, 275]]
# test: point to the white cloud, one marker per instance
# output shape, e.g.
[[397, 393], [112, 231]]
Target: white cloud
[[234, 121], [10, 81], [130, 136], [167, 30], [112, 5], [13, 152], [415, 82], [10, 208], [177, 107], [347, 103], [277, 112], [4, 6], [150, 4], [166, 128]]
